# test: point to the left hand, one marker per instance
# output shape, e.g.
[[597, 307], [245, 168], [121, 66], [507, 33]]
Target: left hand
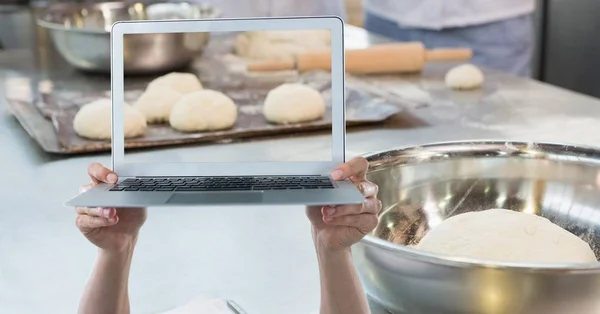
[[110, 229], [337, 228]]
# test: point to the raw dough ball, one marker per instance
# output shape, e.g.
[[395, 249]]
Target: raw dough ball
[[293, 103], [506, 236], [156, 103], [183, 83], [93, 121], [464, 77], [205, 110], [280, 44]]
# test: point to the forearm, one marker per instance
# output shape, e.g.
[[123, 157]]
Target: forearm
[[341, 290], [107, 290]]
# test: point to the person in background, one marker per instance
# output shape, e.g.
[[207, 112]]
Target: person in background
[[271, 8], [500, 32], [334, 230]]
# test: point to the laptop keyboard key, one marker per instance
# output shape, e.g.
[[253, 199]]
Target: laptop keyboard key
[[190, 189], [192, 184]]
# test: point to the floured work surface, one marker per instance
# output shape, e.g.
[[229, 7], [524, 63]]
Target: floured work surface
[[216, 70]]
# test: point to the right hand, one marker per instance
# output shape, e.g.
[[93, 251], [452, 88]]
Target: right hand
[[110, 229]]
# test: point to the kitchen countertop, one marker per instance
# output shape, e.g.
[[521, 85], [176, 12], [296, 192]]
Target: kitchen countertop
[[231, 251]]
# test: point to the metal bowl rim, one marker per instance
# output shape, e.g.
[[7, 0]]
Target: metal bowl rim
[[563, 268], [41, 21]]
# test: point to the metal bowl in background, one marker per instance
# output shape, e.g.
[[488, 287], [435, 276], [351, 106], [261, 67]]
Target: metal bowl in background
[[81, 34], [422, 186]]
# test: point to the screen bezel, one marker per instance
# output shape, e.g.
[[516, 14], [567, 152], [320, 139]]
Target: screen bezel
[[131, 169]]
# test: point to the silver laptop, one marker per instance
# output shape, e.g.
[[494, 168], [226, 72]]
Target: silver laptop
[[160, 178]]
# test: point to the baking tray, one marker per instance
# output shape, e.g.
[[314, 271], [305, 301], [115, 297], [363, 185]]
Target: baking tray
[[361, 108], [48, 118]]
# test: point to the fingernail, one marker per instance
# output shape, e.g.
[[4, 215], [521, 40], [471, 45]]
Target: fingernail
[[330, 211], [112, 178], [337, 175], [112, 220], [82, 189], [106, 213], [327, 219]]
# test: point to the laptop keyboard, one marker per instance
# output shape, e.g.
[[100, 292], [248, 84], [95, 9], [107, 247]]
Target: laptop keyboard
[[198, 184]]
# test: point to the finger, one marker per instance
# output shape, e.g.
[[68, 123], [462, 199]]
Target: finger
[[100, 212], [85, 222], [355, 168], [367, 188], [100, 174], [365, 223], [368, 206]]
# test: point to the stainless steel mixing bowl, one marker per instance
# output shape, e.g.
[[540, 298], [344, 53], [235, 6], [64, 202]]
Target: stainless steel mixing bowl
[[422, 186], [81, 34]]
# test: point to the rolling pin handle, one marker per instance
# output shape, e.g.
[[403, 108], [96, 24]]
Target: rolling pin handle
[[449, 54], [271, 65]]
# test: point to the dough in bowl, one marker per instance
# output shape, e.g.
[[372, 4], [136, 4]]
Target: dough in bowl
[[501, 235], [93, 121], [464, 77], [280, 45], [205, 110], [293, 103], [183, 83], [156, 103]]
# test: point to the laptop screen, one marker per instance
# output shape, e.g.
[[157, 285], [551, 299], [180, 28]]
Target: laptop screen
[[254, 96]]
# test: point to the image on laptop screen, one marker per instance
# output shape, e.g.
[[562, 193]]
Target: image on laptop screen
[[228, 90]]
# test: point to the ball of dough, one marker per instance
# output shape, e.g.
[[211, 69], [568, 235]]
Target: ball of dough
[[506, 236], [156, 103], [93, 121], [464, 77], [183, 83], [293, 103], [205, 110], [280, 44]]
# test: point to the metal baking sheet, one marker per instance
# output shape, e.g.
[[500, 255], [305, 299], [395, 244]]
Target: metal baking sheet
[[362, 108], [218, 69]]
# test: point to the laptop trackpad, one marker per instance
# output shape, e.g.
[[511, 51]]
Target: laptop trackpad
[[215, 198]]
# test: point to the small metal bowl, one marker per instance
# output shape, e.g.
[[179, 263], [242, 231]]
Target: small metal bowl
[[422, 186], [81, 34]]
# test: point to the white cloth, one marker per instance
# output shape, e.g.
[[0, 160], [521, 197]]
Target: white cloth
[[203, 305], [272, 8], [440, 14]]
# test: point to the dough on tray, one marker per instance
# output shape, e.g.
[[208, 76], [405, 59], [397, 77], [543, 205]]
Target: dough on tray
[[502, 235], [205, 110], [183, 83], [156, 103], [93, 121], [280, 45], [464, 77], [293, 103]]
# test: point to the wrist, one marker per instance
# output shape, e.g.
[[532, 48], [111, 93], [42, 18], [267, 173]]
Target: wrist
[[325, 251], [124, 253]]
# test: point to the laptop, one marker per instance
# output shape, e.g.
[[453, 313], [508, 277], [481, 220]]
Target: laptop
[[224, 174]]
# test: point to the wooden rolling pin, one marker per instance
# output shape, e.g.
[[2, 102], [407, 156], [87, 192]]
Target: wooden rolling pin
[[380, 59]]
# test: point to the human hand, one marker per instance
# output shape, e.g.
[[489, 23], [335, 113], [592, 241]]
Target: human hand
[[110, 229], [337, 228]]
